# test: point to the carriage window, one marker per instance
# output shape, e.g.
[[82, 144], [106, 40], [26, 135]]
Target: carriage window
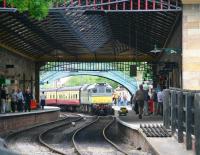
[[76, 96], [108, 90], [50, 96], [94, 90], [66, 97], [101, 90]]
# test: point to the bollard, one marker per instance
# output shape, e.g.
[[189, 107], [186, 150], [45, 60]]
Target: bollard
[[188, 104], [173, 111], [180, 116], [166, 109], [197, 122]]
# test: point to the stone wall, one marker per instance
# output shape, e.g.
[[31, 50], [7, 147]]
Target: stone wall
[[136, 138], [191, 47], [21, 74]]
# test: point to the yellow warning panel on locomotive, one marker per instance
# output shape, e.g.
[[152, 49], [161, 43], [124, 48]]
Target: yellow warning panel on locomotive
[[101, 99]]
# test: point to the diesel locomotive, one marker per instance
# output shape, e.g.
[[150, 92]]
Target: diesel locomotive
[[92, 98]]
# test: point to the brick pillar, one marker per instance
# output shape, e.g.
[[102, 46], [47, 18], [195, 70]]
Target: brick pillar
[[191, 46]]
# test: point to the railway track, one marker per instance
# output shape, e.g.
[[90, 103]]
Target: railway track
[[91, 139], [86, 137], [59, 138], [25, 142]]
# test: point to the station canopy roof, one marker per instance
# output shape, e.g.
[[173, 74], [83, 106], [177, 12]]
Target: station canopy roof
[[71, 35]]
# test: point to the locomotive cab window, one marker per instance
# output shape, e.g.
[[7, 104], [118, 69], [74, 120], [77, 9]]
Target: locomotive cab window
[[94, 90], [101, 90], [108, 90]]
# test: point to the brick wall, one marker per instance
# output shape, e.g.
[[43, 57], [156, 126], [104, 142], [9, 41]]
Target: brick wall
[[21, 66], [8, 123]]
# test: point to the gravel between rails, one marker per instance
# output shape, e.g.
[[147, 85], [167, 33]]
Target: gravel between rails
[[90, 140], [25, 142], [60, 138]]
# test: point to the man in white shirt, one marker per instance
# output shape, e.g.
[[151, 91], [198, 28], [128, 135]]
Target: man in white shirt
[[42, 100]]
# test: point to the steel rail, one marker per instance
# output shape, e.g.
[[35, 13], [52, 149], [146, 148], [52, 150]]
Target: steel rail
[[73, 137], [109, 141], [48, 130]]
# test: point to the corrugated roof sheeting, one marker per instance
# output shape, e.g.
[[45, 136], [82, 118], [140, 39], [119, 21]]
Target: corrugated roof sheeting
[[74, 35]]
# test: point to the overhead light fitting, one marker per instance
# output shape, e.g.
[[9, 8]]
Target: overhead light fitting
[[173, 51], [155, 50]]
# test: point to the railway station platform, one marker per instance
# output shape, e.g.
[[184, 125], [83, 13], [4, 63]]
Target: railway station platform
[[10, 122], [160, 145]]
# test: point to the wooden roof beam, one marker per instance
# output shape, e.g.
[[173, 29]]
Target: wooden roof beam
[[16, 51]]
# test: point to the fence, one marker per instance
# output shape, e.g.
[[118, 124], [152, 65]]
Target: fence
[[182, 114]]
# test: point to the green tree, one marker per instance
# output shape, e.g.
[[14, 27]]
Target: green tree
[[86, 79], [37, 9]]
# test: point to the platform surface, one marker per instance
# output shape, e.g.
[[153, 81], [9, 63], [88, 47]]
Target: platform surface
[[163, 146], [132, 120], [46, 109]]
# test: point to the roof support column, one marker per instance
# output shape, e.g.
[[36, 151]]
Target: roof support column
[[191, 47], [37, 79]]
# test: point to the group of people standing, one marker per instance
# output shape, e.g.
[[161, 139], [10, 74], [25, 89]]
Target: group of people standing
[[19, 101], [120, 100], [148, 101]]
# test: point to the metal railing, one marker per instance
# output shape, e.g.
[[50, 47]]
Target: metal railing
[[182, 114], [111, 5]]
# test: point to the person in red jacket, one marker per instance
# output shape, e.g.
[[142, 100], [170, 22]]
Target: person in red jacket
[[151, 101]]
